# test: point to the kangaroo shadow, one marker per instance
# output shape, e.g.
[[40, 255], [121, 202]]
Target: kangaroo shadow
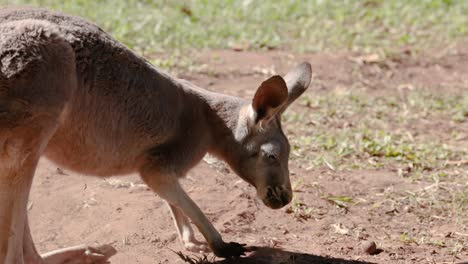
[[266, 255]]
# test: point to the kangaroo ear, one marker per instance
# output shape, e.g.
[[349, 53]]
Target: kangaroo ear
[[298, 81], [269, 99]]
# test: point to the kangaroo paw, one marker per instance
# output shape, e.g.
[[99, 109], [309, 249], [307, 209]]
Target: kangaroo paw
[[80, 255], [229, 250], [197, 247]]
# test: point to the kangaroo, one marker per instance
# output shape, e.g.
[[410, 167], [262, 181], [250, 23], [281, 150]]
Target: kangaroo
[[71, 93]]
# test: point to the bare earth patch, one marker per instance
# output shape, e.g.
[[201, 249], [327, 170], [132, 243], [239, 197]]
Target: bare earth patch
[[405, 190]]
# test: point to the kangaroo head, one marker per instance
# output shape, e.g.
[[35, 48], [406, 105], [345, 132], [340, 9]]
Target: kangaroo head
[[264, 162]]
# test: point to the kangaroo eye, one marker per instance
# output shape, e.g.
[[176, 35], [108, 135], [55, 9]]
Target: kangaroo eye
[[255, 154]]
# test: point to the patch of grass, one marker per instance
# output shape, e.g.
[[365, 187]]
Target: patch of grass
[[434, 204], [357, 130], [316, 25], [456, 246], [406, 238], [340, 201], [300, 210], [425, 103]]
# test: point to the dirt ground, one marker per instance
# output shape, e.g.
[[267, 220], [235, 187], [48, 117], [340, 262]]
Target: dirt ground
[[68, 209]]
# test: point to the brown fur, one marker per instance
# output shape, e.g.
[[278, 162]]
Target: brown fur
[[71, 92]]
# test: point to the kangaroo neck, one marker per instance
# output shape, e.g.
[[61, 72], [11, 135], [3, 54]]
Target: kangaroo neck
[[224, 120]]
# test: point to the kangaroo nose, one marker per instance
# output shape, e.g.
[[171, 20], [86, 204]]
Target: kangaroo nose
[[286, 197], [278, 197]]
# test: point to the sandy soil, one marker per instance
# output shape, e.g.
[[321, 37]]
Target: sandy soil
[[68, 209]]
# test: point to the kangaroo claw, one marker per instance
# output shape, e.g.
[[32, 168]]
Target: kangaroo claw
[[230, 250]]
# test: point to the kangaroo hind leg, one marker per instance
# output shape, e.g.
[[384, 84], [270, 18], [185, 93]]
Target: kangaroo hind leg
[[31, 100], [37, 79], [20, 151]]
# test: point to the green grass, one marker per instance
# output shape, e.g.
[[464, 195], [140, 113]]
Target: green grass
[[356, 130], [345, 131], [315, 25]]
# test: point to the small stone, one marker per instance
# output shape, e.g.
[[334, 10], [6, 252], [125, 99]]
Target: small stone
[[369, 247]]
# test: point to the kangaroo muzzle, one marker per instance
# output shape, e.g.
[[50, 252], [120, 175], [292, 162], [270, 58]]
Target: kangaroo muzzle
[[277, 197]]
